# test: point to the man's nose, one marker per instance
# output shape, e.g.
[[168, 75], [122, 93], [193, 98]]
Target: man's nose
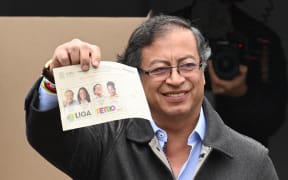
[[175, 76]]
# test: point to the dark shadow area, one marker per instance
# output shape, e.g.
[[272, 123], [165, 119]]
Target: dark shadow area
[[109, 8]]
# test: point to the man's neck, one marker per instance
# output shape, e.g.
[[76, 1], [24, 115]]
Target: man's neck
[[177, 125]]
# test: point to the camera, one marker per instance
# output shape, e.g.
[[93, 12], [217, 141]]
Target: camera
[[227, 55]]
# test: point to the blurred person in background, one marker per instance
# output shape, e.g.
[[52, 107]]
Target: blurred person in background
[[247, 70]]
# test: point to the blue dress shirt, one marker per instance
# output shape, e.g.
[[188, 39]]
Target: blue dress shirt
[[195, 140]]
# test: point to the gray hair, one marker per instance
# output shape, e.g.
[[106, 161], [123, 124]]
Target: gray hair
[[156, 27]]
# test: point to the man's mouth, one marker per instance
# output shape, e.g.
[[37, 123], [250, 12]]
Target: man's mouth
[[174, 94]]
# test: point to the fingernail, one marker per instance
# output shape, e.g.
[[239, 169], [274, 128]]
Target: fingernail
[[85, 67]]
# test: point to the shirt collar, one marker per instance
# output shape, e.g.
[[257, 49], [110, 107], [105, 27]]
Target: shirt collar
[[199, 129]]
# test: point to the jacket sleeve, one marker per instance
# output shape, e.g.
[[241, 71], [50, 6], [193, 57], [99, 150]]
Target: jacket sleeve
[[44, 132], [268, 170]]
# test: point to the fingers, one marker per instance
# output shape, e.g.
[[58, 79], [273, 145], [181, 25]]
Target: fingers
[[234, 87], [73, 54], [95, 55], [214, 78], [76, 52], [243, 69]]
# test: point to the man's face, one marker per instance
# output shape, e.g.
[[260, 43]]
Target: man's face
[[98, 90], [177, 95], [69, 96]]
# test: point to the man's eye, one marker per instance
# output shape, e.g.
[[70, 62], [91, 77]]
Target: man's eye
[[159, 70], [188, 65]]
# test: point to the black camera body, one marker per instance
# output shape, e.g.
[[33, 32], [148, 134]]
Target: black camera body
[[227, 55]]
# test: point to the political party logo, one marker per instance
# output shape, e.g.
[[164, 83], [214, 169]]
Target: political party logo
[[78, 115], [105, 109]]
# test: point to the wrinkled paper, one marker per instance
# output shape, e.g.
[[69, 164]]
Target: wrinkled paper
[[130, 101]]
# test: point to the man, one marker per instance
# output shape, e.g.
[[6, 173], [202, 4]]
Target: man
[[98, 91], [186, 138], [247, 71], [69, 98]]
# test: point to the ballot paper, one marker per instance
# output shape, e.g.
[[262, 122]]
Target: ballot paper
[[72, 83]]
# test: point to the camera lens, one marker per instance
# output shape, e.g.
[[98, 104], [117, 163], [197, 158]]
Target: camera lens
[[226, 64]]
